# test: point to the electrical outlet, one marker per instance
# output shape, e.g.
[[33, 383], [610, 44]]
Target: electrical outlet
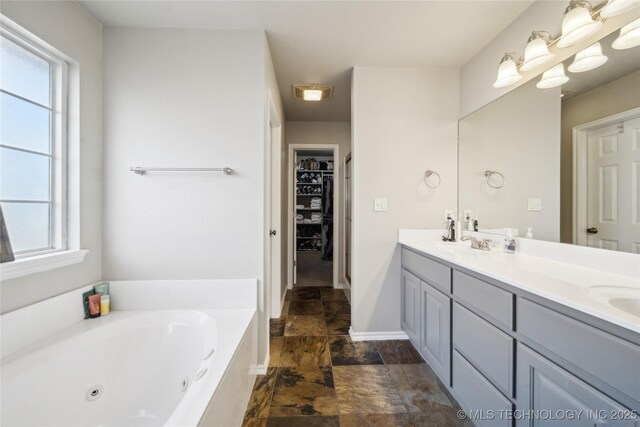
[[448, 214], [467, 215], [534, 205], [379, 205]]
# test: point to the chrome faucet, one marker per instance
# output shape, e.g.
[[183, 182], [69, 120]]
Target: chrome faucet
[[483, 245]]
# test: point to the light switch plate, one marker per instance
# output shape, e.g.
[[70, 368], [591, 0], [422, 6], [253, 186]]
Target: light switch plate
[[379, 205], [448, 214], [534, 205]]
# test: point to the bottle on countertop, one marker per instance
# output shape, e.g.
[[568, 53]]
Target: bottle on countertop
[[510, 243], [469, 223], [529, 233], [475, 224], [104, 305]]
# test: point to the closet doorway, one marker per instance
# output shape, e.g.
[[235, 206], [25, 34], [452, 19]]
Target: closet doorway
[[314, 219]]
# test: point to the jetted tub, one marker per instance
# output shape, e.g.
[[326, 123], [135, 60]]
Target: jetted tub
[[134, 368]]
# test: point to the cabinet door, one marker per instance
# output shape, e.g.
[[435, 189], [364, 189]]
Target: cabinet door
[[410, 289], [435, 339], [544, 386]]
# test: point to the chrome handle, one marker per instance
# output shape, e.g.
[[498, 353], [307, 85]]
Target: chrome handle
[[592, 230], [272, 232]]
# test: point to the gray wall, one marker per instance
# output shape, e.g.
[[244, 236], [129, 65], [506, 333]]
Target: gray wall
[[405, 121]]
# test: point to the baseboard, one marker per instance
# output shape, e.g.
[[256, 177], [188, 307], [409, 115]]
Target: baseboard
[[260, 369], [377, 336], [339, 286]]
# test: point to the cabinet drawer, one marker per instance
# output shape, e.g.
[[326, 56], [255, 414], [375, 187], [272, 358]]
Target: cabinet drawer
[[544, 386], [476, 393], [432, 272], [488, 348], [608, 358], [491, 302]]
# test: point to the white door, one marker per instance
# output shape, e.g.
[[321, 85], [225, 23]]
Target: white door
[[348, 186], [613, 215]]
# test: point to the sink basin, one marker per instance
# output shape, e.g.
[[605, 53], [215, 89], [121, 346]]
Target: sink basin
[[624, 299]]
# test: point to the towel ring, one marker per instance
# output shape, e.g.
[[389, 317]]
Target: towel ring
[[428, 174], [489, 174]]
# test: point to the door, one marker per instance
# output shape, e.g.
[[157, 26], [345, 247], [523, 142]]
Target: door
[[273, 247], [544, 386], [435, 336], [613, 198], [348, 188], [410, 309]]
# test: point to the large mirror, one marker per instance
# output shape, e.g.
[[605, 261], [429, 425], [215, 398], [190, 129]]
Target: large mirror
[[563, 162]]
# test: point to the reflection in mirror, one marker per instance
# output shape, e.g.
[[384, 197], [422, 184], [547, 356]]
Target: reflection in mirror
[[569, 156]]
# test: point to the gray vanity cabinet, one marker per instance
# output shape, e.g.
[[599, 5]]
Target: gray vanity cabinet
[[544, 386], [410, 295], [435, 337], [498, 348]]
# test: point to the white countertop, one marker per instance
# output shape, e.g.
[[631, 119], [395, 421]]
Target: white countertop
[[572, 284]]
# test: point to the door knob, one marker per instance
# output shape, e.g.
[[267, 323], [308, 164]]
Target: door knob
[[272, 232], [592, 230]]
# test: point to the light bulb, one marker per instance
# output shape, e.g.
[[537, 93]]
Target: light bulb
[[629, 36], [507, 72], [588, 59], [536, 53], [553, 77], [577, 24]]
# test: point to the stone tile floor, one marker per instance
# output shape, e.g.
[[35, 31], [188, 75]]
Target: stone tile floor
[[317, 376]]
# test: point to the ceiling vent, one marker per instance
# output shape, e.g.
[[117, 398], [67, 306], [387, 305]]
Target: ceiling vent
[[312, 92]]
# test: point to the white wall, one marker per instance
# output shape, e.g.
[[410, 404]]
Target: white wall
[[68, 28], [405, 121], [312, 133], [478, 75], [519, 136], [184, 98]]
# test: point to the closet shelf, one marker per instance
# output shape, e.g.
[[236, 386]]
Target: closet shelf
[[308, 183]]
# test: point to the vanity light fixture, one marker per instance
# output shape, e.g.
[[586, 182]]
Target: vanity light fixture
[[553, 77], [629, 36], [578, 24], [588, 59], [537, 51], [618, 7], [508, 70], [312, 92]]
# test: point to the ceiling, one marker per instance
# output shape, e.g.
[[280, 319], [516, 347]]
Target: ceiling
[[321, 41]]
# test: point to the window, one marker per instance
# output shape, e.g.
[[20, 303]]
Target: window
[[32, 145]]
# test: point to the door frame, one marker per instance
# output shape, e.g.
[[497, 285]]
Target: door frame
[[273, 202], [580, 170], [291, 211]]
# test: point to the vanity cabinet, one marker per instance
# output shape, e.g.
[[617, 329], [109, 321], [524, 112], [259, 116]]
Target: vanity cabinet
[[435, 335], [499, 348], [410, 294], [544, 386]]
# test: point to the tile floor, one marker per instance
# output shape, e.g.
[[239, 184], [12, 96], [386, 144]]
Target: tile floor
[[319, 377]]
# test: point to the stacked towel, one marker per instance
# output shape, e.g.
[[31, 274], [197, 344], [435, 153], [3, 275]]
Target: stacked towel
[[316, 203], [299, 206], [316, 217], [299, 218]]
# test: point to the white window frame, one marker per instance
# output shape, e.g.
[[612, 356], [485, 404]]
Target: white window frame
[[58, 223], [66, 237]]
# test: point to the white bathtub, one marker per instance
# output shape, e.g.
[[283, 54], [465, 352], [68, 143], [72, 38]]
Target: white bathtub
[[135, 367]]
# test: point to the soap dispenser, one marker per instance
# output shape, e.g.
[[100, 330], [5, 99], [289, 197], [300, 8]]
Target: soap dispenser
[[529, 233]]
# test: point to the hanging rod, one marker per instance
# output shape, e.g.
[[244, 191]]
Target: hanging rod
[[142, 170]]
